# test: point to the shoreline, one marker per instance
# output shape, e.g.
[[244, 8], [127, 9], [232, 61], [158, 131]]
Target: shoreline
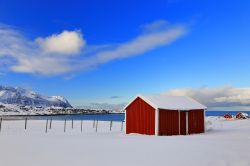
[[33, 117]]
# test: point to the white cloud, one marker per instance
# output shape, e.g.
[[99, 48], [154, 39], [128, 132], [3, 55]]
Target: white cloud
[[52, 55], [25, 56], [217, 98], [139, 45], [67, 42], [156, 26], [42, 65], [142, 44]]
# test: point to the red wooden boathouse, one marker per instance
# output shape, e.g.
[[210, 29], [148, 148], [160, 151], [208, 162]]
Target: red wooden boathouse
[[164, 115]]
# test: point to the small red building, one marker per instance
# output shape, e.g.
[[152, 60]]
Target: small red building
[[164, 115]]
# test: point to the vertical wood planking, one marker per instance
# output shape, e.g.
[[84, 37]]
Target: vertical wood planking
[[187, 123], [140, 118], [183, 123], [179, 121], [196, 121], [169, 124]]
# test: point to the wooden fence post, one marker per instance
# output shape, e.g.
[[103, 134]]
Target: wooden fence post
[[72, 124], [81, 125], [65, 125], [1, 124], [25, 126], [96, 126], [122, 126], [46, 130], [50, 124], [110, 126]]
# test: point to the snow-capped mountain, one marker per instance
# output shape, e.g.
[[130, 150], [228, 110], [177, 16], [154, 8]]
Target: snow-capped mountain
[[24, 97]]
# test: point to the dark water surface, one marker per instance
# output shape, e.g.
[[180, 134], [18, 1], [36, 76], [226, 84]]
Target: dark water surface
[[106, 117], [221, 113]]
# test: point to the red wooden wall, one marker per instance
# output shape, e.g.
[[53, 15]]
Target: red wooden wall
[[196, 121], [183, 123], [140, 118], [168, 122]]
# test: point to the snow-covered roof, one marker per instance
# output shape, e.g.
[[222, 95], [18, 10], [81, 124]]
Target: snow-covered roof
[[170, 102]]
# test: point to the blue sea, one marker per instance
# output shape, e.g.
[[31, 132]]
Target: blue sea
[[115, 117], [221, 113]]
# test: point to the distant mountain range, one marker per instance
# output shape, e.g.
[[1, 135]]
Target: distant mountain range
[[24, 97], [106, 106]]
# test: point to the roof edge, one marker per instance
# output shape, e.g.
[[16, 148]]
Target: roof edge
[[143, 98], [156, 107]]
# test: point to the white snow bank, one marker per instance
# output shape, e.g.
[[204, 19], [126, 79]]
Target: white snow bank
[[225, 143]]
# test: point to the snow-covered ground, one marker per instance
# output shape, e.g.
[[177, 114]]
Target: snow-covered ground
[[226, 142]]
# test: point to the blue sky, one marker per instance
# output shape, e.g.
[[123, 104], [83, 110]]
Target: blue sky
[[206, 44]]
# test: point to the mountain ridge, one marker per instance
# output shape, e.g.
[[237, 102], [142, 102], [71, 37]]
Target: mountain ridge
[[24, 97]]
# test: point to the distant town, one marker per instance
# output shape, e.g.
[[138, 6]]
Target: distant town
[[38, 110]]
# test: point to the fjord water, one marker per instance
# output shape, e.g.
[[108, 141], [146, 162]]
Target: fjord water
[[221, 113], [110, 117]]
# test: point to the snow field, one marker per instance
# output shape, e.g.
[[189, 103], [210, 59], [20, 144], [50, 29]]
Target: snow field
[[226, 143], [13, 127]]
